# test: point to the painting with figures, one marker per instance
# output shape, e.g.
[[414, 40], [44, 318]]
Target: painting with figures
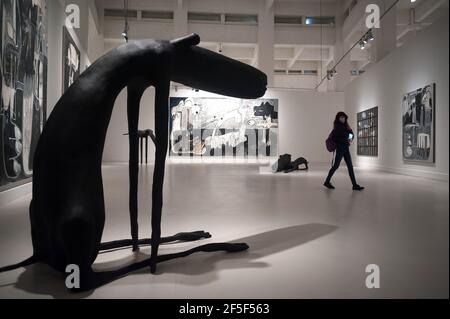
[[418, 125], [23, 80], [224, 127]]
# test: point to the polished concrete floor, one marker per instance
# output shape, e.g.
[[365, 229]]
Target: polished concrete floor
[[305, 241]]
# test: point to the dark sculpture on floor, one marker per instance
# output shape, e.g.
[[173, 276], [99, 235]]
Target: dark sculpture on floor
[[143, 136], [67, 211], [284, 164]]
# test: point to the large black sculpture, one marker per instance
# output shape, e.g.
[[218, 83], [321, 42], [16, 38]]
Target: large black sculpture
[[67, 211]]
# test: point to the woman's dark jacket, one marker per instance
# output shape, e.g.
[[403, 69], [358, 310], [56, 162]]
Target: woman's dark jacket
[[340, 135]]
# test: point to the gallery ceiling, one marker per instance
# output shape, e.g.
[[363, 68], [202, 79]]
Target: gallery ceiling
[[300, 47]]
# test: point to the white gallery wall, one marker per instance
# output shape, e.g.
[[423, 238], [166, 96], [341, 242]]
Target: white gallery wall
[[421, 61], [305, 120]]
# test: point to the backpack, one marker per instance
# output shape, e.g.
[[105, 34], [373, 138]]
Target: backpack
[[330, 144]]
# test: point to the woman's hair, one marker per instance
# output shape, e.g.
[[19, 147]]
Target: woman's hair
[[338, 116]]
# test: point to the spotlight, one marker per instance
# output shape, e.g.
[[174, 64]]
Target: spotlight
[[125, 31], [331, 73], [362, 45], [125, 36], [126, 27]]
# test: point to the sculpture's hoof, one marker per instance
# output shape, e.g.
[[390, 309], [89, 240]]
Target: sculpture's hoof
[[234, 248], [135, 248]]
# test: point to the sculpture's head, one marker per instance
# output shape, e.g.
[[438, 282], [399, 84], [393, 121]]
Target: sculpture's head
[[205, 70]]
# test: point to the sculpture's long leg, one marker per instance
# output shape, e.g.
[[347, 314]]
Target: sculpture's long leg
[[162, 135], [135, 92], [141, 140], [146, 150], [191, 236]]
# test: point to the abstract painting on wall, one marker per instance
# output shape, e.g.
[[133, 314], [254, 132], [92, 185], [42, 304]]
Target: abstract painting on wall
[[71, 60], [418, 125], [23, 80], [225, 127], [367, 122]]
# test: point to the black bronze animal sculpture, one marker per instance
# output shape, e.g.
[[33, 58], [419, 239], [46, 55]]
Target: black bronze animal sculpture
[[67, 211], [143, 136]]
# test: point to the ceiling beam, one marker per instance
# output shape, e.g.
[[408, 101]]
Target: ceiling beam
[[330, 56], [297, 52], [423, 12], [255, 57]]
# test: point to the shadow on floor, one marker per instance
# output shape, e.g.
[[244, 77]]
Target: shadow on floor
[[201, 268]]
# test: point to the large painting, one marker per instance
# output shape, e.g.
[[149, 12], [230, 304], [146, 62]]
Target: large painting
[[223, 127], [23, 77], [71, 60], [367, 126], [418, 125]]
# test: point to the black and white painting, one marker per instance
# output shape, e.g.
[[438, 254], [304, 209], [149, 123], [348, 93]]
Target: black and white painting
[[71, 60], [418, 125], [23, 77], [367, 122], [225, 127]]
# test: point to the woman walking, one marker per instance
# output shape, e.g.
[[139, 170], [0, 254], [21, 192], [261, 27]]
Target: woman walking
[[343, 136]]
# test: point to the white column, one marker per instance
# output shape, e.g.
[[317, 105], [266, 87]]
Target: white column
[[266, 39], [180, 19]]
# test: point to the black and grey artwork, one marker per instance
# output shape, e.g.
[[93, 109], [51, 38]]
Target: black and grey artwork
[[367, 130], [418, 110], [71, 60], [229, 127], [67, 210], [23, 78]]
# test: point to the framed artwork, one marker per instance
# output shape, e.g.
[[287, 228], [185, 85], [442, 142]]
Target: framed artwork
[[418, 112], [367, 132], [23, 79], [71, 60], [227, 127]]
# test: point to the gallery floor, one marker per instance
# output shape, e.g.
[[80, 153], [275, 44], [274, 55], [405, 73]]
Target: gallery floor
[[305, 241]]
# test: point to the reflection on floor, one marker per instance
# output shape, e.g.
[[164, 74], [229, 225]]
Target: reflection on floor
[[305, 241]]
